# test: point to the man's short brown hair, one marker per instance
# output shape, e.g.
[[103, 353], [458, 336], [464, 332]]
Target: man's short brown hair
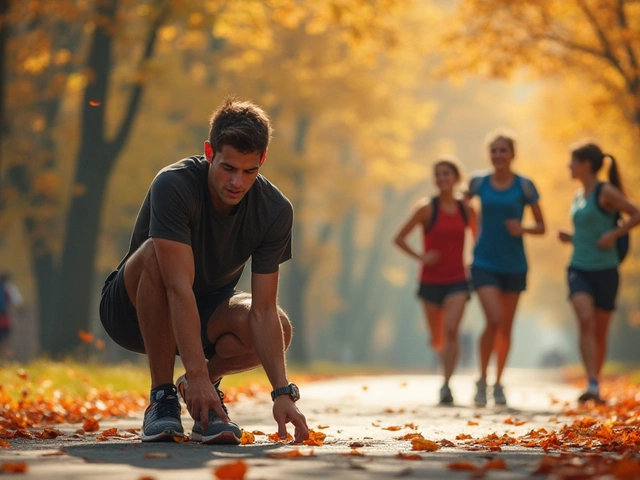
[[241, 125]]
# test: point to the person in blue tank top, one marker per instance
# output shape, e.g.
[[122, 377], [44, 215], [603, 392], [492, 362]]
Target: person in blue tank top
[[593, 269], [499, 268]]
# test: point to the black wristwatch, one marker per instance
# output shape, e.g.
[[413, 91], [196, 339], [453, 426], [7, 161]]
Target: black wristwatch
[[291, 389]]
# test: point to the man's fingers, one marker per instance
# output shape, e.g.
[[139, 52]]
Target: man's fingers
[[282, 428], [221, 413], [301, 428], [204, 418]]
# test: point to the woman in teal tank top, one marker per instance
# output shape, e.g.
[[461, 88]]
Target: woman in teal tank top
[[593, 270]]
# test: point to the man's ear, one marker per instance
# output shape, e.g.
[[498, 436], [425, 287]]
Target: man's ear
[[208, 151], [264, 157]]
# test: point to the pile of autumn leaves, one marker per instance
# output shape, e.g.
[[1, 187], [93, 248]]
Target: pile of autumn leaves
[[599, 440]]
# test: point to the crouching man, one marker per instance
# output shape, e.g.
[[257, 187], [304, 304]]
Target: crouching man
[[174, 292]]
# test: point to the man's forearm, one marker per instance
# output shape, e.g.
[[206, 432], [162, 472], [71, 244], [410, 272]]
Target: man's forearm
[[268, 342]]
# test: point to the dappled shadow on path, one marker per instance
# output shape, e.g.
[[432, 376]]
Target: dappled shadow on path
[[165, 455]]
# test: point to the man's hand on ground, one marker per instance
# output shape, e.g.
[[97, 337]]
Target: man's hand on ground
[[285, 411], [201, 398]]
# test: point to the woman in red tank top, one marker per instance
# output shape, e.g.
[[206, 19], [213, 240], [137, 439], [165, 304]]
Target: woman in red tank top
[[444, 288]]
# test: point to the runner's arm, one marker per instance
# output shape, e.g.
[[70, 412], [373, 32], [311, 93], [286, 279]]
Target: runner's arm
[[420, 216], [268, 342], [176, 263], [614, 200], [539, 228]]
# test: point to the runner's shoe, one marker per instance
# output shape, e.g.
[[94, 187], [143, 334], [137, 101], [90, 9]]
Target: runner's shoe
[[592, 393], [162, 417], [498, 395], [217, 432], [481, 393], [446, 398]]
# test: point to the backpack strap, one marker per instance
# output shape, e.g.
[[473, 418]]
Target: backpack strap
[[596, 195], [463, 213], [434, 215]]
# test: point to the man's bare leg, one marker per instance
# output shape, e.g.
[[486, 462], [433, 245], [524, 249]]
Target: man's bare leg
[[229, 331], [147, 293]]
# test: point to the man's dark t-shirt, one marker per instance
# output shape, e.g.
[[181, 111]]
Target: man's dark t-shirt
[[178, 207]]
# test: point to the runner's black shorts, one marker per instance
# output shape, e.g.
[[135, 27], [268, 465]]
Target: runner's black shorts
[[120, 320], [436, 294], [601, 285], [507, 282]]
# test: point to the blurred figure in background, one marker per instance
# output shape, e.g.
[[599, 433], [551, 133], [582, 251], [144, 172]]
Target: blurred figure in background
[[444, 286], [600, 240], [499, 269], [10, 298]]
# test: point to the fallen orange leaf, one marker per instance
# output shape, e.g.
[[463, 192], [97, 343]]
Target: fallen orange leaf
[[353, 453], [626, 468], [495, 464], [13, 467], [296, 453], [408, 456], [463, 436], [4, 444], [86, 337], [316, 439], [91, 425], [393, 428], [258, 432], [462, 466], [247, 438], [231, 471], [322, 427], [94, 103], [275, 438], [423, 444], [471, 423]]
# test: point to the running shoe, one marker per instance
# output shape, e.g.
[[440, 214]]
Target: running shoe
[[162, 417], [217, 432], [446, 398], [481, 393], [592, 393], [498, 395]]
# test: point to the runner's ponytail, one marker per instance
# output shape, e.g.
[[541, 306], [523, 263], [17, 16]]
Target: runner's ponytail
[[614, 174]]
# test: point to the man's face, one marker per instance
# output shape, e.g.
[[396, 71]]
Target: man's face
[[231, 175]]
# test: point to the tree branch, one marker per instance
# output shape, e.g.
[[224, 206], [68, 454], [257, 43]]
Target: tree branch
[[136, 95], [606, 45], [633, 83]]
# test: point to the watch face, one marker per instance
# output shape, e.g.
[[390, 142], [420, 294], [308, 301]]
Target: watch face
[[295, 392]]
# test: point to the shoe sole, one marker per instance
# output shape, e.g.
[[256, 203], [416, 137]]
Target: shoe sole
[[168, 435], [223, 438]]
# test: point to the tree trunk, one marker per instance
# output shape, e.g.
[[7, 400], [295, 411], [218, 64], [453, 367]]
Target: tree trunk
[[96, 159], [4, 10], [298, 274], [77, 267]]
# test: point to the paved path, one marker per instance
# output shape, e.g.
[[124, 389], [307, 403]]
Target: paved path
[[354, 409]]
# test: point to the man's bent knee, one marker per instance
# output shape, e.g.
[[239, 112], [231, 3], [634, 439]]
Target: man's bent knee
[[143, 261]]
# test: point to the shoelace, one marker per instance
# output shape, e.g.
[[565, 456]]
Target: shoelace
[[166, 408]]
